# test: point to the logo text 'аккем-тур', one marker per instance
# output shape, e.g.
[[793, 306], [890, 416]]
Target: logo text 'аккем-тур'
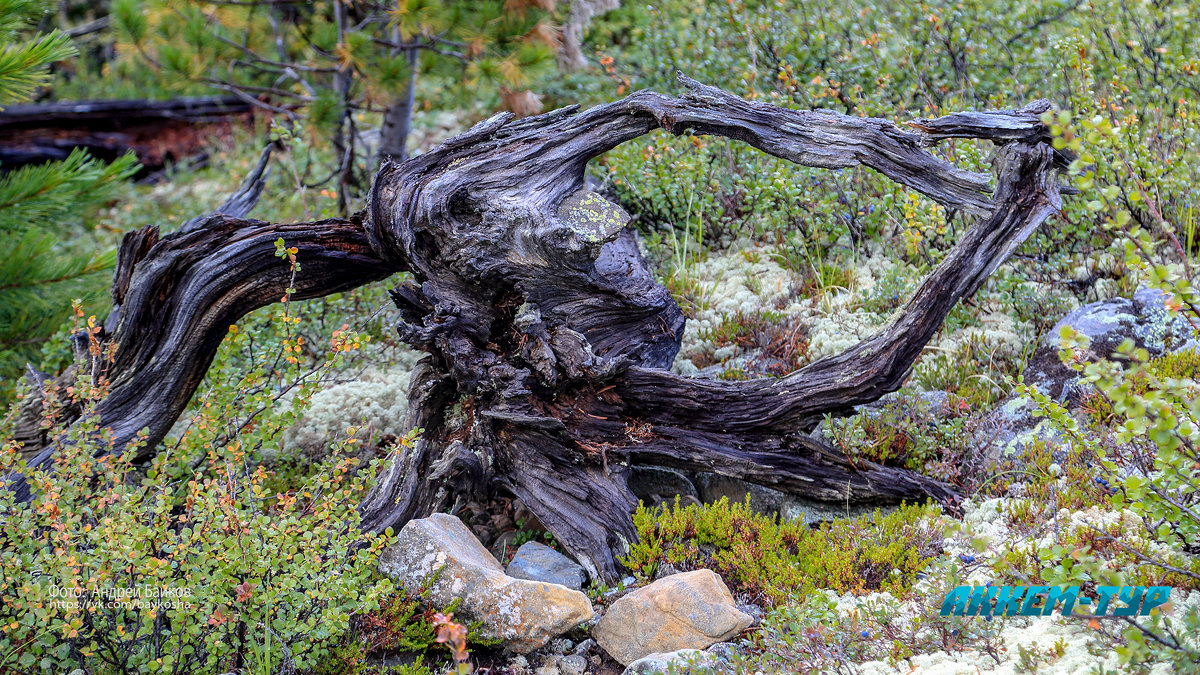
[[1043, 600]]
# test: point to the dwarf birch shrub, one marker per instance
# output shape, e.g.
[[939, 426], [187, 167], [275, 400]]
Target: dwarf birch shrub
[[1150, 409], [116, 575], [1153, 470], [192, 564]]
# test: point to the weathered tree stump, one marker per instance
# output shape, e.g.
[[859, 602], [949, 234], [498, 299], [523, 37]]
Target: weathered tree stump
[[548, 338]]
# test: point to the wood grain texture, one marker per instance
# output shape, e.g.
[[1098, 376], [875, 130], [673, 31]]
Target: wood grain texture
[[548, 339], [174, 299]]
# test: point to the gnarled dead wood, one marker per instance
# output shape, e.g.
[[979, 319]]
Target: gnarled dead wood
[[174, 299], [548, 337]]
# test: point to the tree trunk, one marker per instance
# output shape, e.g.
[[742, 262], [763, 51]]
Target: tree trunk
[[570, 52], [397, 119], [343, 133], [548, 338]]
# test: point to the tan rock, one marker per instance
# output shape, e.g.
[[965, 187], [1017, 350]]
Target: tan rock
[[691, 610], [524, 614]]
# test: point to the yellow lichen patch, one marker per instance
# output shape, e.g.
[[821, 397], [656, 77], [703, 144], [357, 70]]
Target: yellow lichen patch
[[592, 216]]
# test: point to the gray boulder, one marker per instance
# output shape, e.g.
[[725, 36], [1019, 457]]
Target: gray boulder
[[811, 512], [563, 665], [930, 404], [1144, 318], [656, 485], [572, 665], [537, 562], [1011, 426], [712, 487]]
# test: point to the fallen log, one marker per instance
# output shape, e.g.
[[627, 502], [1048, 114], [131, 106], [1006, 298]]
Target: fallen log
[[118, 114], [157, 131], [548, 338]]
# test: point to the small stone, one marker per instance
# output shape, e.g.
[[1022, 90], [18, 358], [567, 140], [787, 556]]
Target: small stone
[[538, 562], [572, 665], [621, 588], [753, 611], [561, 646], [685, 611], [725, 651], [524, 614], [664, 569], [680, 662]]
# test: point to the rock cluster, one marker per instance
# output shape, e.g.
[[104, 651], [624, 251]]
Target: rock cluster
[[661, 626], [524, 614]]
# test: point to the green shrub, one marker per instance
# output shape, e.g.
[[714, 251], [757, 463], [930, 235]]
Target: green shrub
[[976, 369], [889, 292], [907, 432], [244, 577], [774, 561], [819, 636], [1183, 365], [1153, 470], [404, 622], [718, 191], [191, 564]]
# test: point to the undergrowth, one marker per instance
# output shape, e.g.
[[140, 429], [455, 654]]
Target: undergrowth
[[772, 560]]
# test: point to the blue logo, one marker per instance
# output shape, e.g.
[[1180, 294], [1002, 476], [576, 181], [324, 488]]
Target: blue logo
[[1044, 600]]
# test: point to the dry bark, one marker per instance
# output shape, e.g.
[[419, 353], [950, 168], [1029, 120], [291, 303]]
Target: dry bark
[[158, 131], [548, 337]]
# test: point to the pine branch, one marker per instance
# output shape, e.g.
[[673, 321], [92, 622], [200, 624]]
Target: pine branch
[[38, 283], [47, 194], [23, 67]]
